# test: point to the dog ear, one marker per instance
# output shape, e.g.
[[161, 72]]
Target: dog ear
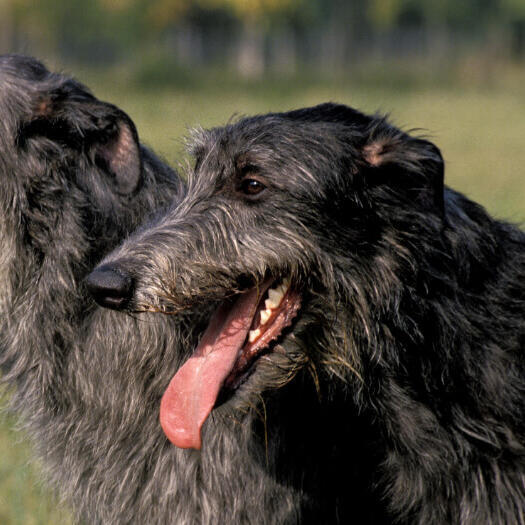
[[117, 151], [411, 165], [71, 117]]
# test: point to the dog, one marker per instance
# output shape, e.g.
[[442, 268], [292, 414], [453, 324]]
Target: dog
[[366, 359], [75, 182]]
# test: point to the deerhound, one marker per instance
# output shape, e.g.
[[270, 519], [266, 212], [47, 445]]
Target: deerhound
[[368, 347], [74, 182]]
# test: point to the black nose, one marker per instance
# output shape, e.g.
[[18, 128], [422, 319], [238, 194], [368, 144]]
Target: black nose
[[110, 287]]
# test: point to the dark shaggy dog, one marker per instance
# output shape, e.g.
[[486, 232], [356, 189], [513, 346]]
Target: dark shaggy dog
[[74, 182], [388, 308]]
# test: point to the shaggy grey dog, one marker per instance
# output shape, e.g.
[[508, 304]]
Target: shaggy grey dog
[[74, 182], [389, 310]]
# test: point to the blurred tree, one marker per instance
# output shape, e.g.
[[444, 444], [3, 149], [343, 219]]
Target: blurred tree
[[515, 16], [93, 31], [255, 16], [256, 34], [467, 13], [385, 13], [163, 13]]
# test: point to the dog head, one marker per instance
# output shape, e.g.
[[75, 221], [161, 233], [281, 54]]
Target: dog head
[[74, 178], [290, 219]]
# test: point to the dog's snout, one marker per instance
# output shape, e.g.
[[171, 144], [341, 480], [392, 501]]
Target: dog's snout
[[110, 287]]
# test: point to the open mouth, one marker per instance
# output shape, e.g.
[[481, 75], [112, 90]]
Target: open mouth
[[238, 334]]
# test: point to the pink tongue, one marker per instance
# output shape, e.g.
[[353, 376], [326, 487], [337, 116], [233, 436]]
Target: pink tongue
[[193, 391]]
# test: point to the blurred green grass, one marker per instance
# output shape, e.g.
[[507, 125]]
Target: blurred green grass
[[24, 499], [480, 129]]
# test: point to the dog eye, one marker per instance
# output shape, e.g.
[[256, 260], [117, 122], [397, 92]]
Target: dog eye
[[251, 186]]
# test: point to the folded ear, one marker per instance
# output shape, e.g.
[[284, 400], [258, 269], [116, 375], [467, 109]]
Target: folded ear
[[409, 165], [117, 151], [71, 117]]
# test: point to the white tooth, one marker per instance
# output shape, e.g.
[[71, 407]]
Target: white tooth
[[270, 305], [265, 315], [275, 296], [253, 335]]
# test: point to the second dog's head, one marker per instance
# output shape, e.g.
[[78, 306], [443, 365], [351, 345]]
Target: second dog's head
[[74, 179]]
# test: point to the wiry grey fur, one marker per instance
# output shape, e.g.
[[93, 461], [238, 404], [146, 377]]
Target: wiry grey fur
[[86, 382], [402, 380]]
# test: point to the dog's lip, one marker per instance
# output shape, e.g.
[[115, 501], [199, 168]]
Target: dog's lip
[[274, 328]]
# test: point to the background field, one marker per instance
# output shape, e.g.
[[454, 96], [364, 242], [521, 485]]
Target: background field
[[480, 130]]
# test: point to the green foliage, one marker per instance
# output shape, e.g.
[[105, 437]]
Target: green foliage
[[514, 8], [87, 26], [467, 13], [23, 498], [163, 13]]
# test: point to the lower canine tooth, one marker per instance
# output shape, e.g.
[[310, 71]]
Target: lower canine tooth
[[253, 335]]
